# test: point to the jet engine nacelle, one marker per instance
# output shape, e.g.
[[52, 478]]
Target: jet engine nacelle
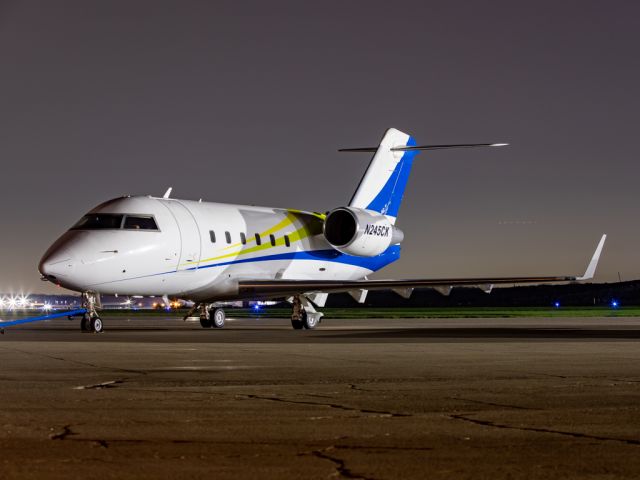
[[360, 232]]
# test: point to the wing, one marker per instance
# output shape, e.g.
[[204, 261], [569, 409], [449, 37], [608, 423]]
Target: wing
[[275, 288]]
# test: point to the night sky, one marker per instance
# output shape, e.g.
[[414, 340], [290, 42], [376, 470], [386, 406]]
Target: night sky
[[248, 102]]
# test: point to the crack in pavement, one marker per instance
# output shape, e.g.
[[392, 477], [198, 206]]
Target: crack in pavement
[[282, 400], [104, 443], [329, 405], [625, 381], [564, 377], [339, 465], [66, 431], [491, 403], [353, 386], [488, 423], [372, 447], [76, 362]]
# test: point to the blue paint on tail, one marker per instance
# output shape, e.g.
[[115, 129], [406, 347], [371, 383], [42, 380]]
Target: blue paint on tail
[[389, 198]]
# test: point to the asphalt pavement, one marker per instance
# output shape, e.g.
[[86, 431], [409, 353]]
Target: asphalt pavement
[[155, 397]]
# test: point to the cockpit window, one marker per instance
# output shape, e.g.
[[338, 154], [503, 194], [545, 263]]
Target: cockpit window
[[99, 221], [114, 221], [140, 222]]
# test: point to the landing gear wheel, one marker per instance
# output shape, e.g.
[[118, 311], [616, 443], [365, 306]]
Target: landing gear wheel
[[309, 322], [205, 322], [96, 325], [85, 323], [218, 318], [298, 324]]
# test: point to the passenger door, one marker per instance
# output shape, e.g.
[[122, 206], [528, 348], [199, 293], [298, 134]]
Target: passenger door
[[189, 236]]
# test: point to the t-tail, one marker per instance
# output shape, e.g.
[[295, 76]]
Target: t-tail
[[383, 184]]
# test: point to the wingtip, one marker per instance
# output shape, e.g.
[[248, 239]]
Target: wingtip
[[593, 264]]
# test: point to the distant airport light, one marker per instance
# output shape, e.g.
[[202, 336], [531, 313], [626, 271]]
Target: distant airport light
[[556, 304], [615, 304], [22, 301], [256, 307], [46, 306]]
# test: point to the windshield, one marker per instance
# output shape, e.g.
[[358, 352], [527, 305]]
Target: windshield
[[114, 221]]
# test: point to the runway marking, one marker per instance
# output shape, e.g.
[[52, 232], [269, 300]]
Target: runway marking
[[99, 386]]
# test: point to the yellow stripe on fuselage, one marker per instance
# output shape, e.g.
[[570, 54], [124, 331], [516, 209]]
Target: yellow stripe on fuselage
[[297, 235], [288, 220]]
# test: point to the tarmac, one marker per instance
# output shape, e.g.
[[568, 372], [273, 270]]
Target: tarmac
[[356, 399]]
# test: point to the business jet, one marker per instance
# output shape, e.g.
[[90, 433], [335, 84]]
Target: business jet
[[209, 253]]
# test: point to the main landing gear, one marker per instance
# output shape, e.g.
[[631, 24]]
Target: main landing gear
[[304, 315], [91, 321], [211, 317]]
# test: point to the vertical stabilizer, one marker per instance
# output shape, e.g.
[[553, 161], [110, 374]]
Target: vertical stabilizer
[[382, 186]]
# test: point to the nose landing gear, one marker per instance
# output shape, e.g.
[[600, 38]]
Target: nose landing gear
[[91, 321]]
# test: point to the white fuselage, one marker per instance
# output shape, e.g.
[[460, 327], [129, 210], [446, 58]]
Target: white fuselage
[[198, 250]]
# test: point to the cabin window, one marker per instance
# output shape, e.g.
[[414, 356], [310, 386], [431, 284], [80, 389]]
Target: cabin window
[[243, 238], [273, 240], [140, 222], [286, 241], [258, 241], [227, 236], [212, 236], [99, 221]]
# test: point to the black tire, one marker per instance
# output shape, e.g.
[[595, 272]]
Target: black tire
[[205, 322], [218, 318], [97, 325], [85, 324], [297, 324], [309, 322]]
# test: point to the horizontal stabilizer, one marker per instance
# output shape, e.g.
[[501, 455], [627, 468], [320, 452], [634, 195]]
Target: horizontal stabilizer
[[425, 147]]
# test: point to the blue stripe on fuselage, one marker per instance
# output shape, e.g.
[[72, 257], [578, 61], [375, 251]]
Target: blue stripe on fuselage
[[390, 255]]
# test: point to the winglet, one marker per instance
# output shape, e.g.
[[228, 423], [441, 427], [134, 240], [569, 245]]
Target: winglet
[[591, 269], [167, 194]]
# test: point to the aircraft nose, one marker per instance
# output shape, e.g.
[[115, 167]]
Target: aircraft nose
[[57, 262]]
